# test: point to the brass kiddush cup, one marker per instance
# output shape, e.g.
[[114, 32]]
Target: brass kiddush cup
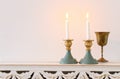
[[102, 39]]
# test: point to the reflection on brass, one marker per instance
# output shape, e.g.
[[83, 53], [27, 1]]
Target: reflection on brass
[[68, 44], [102, 39], [88, 44]]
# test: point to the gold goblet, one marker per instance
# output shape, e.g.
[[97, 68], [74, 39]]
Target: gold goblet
[[102, 39]]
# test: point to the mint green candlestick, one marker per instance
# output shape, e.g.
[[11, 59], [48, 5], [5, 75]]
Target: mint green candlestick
[[68, 58], [88, 59]]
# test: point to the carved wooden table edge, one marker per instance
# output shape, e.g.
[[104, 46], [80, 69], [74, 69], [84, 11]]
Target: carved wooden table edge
[[59, 71]]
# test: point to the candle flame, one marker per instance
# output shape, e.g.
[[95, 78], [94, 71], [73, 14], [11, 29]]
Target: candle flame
[[87, 15], [67, 15]]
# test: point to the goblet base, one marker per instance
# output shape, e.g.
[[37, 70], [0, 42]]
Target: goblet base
[[102, 60]]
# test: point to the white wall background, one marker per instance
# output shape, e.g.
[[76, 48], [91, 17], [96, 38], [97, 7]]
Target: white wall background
[[34, 30]]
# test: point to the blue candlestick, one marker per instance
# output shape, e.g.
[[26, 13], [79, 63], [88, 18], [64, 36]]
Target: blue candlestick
[[88, 58], [68, 58]]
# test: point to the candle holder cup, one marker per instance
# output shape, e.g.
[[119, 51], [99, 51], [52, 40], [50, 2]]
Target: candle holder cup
[[88, 58], [68, 58]]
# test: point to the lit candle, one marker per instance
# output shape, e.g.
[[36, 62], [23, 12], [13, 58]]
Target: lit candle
[[67, 26], [87, 27]]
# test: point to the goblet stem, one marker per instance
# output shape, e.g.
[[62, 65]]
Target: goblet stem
[[101, 51], [102, 59]]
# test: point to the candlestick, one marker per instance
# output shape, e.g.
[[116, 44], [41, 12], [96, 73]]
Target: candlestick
[[67, 26], [68, 58], [87, 27], [88, 58]]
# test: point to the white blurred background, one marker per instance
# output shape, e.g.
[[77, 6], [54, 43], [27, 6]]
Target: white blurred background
[[33, 30]]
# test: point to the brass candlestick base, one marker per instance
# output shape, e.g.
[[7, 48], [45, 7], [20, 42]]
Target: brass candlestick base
[[68, 59], [102, 60], [88, 59], [102, 39]]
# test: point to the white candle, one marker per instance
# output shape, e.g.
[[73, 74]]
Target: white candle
[[87, 27], [67, 26]]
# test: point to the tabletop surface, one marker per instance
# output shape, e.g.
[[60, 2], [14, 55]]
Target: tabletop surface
[[57, 64]]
